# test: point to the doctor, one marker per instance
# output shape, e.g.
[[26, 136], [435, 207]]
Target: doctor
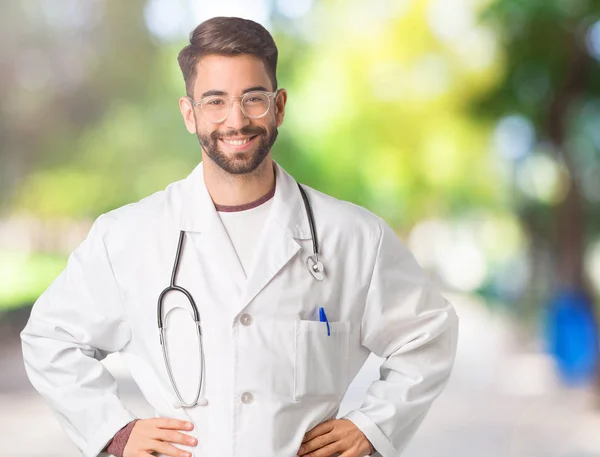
[[287, 312]]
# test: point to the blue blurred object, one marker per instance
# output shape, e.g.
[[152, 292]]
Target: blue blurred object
[[572, 336]]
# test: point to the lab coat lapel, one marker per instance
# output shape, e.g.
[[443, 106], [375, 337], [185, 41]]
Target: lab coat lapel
[[204, 228], [278, 243]]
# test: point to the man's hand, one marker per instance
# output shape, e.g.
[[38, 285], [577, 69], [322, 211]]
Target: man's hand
[[153, 435], [335, 436]]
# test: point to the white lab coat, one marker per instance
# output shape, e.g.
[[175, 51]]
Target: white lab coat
[[271, 371]]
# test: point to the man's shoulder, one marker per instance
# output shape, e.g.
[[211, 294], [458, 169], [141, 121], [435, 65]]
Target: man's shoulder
[[340, 211], [150, 211]]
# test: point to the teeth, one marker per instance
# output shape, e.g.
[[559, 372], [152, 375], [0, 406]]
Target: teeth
[[236, 142]]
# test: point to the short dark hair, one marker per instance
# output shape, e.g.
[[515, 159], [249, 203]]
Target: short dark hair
[[227, 36]]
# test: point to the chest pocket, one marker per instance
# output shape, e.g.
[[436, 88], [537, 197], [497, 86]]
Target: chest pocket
[[321, 366]]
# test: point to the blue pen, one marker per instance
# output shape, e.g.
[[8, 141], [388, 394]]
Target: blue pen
[[323, 318]]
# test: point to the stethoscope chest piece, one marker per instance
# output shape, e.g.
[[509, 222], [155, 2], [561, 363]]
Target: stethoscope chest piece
[[315, 266]]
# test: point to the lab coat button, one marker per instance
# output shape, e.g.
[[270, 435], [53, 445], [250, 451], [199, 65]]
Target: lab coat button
[[202, 401], [246, 319], [247, 398]]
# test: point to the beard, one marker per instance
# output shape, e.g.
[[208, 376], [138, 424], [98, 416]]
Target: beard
[[243, 162]]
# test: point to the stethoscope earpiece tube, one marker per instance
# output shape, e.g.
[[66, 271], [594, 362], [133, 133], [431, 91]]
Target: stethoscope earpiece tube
[[313, 263], [311, 222], [172, 285]]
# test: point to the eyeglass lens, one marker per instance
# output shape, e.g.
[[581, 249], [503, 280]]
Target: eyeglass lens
[[254, 105]]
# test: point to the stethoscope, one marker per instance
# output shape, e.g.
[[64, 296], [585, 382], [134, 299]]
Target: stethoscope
[[313, 264]]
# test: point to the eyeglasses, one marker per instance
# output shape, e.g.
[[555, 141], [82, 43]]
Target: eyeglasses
[[254, 105]]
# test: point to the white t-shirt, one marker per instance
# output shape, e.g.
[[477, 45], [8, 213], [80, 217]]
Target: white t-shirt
[[244, 228]]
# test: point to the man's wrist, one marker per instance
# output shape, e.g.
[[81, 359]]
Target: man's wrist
[[116, 445]]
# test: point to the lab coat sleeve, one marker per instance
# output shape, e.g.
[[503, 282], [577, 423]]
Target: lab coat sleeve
[[408, 322], [73, 325]]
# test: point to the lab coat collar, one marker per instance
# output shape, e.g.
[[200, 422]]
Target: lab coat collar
[[198, 212]]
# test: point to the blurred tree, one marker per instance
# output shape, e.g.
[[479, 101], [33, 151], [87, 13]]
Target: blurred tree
[[83, 111], [61, 68], [552, 79]]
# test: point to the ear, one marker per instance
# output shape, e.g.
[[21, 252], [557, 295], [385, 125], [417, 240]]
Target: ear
[[187, 112], [280, 102]]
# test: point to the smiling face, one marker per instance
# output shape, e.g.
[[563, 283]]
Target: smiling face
[[239, 144]]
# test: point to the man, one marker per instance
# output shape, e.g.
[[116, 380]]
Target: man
[[285, 322]]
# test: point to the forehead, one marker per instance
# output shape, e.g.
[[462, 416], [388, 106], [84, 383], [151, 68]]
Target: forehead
[[231, 75]]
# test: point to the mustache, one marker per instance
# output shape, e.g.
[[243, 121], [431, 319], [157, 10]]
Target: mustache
[[249, 130]]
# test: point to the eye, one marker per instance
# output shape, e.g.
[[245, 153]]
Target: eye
[[215, 102], [255, 98]]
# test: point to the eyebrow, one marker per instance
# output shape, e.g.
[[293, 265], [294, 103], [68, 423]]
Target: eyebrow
[[220, 92]]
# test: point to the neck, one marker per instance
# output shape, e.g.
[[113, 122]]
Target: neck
[[234, 190]]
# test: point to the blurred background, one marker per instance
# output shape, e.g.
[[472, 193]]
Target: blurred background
[[471, 126]]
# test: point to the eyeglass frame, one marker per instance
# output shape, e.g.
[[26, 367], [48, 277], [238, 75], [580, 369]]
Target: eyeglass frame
[[231, 99]]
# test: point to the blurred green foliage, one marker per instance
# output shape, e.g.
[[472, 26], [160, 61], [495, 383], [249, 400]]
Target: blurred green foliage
[[27, 275]]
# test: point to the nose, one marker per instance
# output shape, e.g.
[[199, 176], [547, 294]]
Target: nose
[[236, 119]]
